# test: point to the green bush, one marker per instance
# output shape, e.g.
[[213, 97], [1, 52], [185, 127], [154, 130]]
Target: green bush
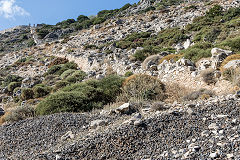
[[60, 85], [212, 35], [128, 74], [133, 40], [27, 93], [217, 10], [198, 51], [81, 97], [169, 2], [82, 18], [40, 91], [90, 46], [69, 102], [126, 6], [13, 85], [12, 78], [67, 73], [42, 33], [31, 43], [141, 55], [232, 44], [59, 69], [77, 76]]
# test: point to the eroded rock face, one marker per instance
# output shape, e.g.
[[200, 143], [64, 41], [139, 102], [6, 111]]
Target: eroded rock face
[[218, 55]]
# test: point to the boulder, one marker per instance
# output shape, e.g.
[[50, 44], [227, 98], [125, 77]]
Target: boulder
[[100, 76], [187, 44], [218, 55], [232, 64], [179, 47], [123, 109]]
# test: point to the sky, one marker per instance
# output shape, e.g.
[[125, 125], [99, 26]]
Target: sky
[[24, 12]]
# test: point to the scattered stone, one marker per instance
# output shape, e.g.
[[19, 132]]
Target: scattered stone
[[97, 123], [123, 109]]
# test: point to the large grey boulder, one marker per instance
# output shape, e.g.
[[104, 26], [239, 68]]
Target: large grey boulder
[[218, 55], [232, 64]]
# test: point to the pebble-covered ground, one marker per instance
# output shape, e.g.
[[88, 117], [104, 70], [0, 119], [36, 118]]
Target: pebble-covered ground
[[28, 138], [207, 130]]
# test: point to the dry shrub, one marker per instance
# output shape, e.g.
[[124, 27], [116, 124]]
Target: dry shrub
[[142, 87], [208, 76], [175, 92], [3, 118], [204, 97], [175, 57], [20, 113], [232, 75], [110, 71], [228, 59], [202, 93], [58, 61]]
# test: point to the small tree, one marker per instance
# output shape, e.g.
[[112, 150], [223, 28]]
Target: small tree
[[82, 18]]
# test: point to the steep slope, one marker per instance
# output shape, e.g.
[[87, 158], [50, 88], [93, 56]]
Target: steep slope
[[179, 47]]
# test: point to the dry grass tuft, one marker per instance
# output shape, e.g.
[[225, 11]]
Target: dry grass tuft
[[208, 76], [142, 87], [175, 92], [175, 57]]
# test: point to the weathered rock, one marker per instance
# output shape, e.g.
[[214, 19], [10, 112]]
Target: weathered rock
[[68, 135], [232, 64], [218, 55], [98, 123], [187, 44], [124, 109]]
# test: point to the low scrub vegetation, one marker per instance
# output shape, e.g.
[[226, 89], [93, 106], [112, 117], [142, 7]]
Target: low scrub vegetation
[[82, 96], [197, 51], [60, 68]]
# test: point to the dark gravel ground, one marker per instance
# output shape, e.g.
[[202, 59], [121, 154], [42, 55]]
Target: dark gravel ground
[[25, 139], [211, 131]]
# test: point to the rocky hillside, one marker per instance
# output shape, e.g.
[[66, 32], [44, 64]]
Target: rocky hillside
[[154, 80]]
